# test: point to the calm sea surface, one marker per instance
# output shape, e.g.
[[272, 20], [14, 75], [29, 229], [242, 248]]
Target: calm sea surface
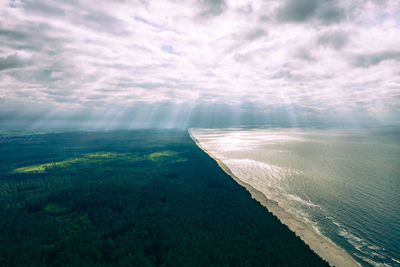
[[343, 183]]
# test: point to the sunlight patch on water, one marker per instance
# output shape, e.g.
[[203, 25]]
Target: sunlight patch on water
[[332, 180]]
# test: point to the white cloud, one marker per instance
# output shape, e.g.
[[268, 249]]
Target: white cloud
[[253, 56]]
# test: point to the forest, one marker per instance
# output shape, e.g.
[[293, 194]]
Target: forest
[[131, 198]]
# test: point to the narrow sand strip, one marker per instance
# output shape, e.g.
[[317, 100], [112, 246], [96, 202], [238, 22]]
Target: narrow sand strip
[[325, 248]]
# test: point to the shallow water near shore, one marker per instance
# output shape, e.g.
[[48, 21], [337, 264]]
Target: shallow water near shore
[[344, 184]]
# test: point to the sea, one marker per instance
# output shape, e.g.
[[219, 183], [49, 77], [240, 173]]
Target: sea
[[344, 183]]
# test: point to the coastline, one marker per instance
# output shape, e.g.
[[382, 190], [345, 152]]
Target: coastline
[[326, 249]]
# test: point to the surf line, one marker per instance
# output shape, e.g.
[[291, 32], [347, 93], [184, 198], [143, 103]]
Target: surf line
[[324, 247]]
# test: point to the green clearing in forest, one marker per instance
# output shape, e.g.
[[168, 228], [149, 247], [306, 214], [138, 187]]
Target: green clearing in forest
[[101, 157]]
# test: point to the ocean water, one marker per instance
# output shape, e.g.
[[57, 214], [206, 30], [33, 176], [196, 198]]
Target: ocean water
[[345, 184]]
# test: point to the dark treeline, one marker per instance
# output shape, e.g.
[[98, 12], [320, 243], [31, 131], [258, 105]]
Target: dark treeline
[[131, 198]]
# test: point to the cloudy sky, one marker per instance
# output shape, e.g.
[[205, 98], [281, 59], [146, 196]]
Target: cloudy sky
[[133, 63]]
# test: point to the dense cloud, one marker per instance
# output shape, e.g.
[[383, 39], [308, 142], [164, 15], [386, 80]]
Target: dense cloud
[[10, 62], [336, 39], [368, 60], [142, 63], [326, 11], [212, 7]]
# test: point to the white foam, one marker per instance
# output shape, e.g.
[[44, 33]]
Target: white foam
[[244, 152], [393, 259], [373, 263], [300, 200]]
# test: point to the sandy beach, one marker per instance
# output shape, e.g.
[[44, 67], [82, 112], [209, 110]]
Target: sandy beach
[[324, 247]]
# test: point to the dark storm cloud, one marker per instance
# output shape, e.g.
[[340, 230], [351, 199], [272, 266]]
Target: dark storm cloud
[[210, 8], [44, 8], [13, 35], [325, 11], [31, 36], [298, 10], [10, 62], [368, 60], [329, 12]]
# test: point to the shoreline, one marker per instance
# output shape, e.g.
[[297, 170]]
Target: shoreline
[[325, 248]]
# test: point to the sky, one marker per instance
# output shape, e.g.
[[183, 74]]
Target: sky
[[133, 64]]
